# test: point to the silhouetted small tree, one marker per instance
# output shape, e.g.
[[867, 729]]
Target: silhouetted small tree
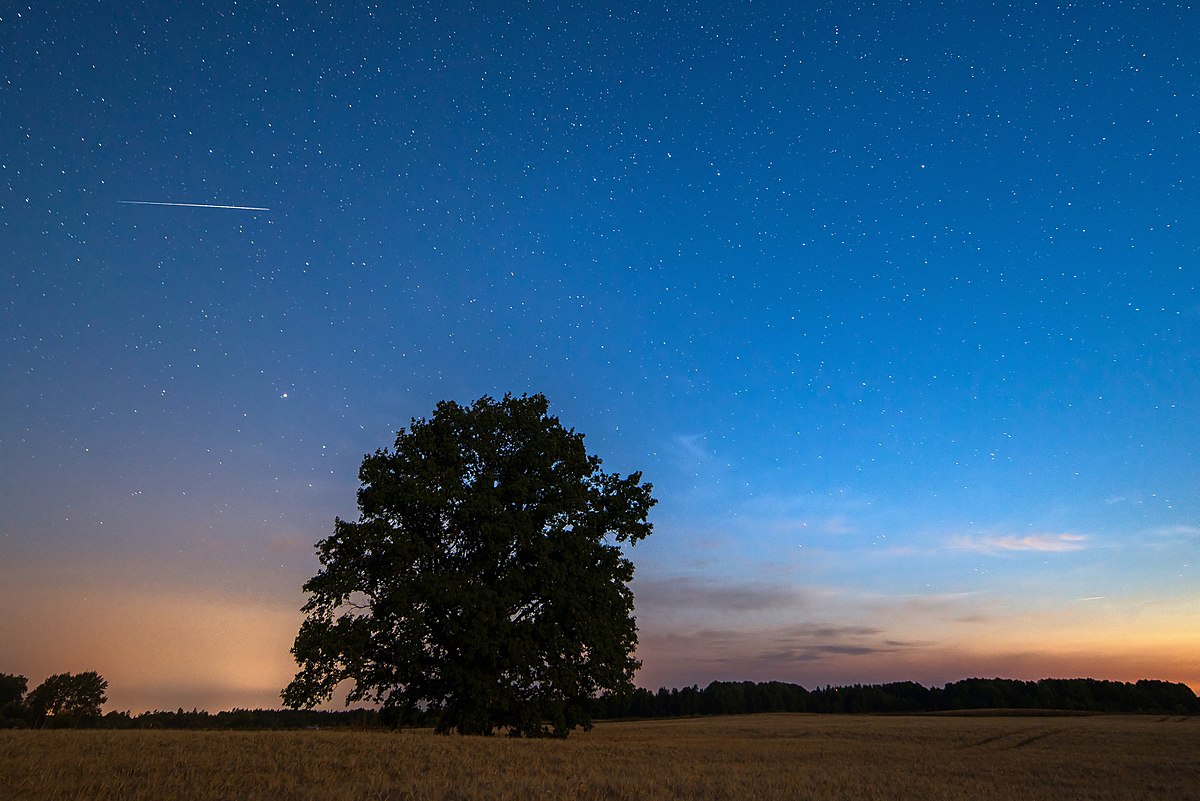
[[12, 700], [67, 699]]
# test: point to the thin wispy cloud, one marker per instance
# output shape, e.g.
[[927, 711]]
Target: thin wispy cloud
[[1010, 543], [774, 647], [694, 447], [694, 592], [922, 605], [1182, 532], [836, 525]]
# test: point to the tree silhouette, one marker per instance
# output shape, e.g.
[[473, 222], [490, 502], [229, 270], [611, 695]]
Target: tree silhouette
[[12, 699], [66, 699], [484, 583]]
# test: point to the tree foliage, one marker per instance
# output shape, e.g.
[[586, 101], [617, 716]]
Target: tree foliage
[[69, 699], [12, 689], [484, 582], [12, 699]]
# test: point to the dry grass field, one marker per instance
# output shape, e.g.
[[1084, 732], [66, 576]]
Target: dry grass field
[[751, 757]]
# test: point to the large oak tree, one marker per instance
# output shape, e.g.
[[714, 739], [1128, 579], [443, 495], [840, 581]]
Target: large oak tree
[[484, 581]]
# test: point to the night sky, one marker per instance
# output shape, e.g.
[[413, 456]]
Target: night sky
[[895, 304]]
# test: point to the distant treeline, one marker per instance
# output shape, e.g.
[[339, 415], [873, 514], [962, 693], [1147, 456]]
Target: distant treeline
[[244, 719], [735, 698], [726, 698]]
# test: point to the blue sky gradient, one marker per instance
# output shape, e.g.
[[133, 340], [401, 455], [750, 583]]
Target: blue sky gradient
[[895, 304]]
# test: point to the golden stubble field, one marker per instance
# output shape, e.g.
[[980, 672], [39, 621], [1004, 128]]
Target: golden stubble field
[[746, 757]]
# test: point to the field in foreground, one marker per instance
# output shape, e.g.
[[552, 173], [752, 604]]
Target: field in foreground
[[749, 757]]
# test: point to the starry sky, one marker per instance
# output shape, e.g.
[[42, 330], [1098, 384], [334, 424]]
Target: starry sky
[[894, 303]]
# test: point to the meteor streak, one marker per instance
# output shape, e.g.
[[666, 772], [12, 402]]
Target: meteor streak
[[190, 205]]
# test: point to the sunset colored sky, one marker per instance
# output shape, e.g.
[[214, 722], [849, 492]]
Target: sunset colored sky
[[896, 304]]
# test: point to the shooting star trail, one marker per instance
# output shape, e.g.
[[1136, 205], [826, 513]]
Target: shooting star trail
[[190, 205]]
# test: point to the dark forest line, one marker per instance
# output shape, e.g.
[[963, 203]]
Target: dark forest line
[[729, 698], [745, 697]]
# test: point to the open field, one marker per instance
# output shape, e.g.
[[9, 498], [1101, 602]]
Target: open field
[[746, 757]]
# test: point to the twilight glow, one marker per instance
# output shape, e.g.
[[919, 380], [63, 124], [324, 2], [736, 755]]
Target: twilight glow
[[895, 304]]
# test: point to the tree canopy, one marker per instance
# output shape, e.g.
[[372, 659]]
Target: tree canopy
[[12, 689], [484, 582], [12, 699], [69, 698]]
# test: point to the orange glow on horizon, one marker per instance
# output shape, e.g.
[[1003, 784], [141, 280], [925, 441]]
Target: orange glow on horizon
[[217, 650]]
